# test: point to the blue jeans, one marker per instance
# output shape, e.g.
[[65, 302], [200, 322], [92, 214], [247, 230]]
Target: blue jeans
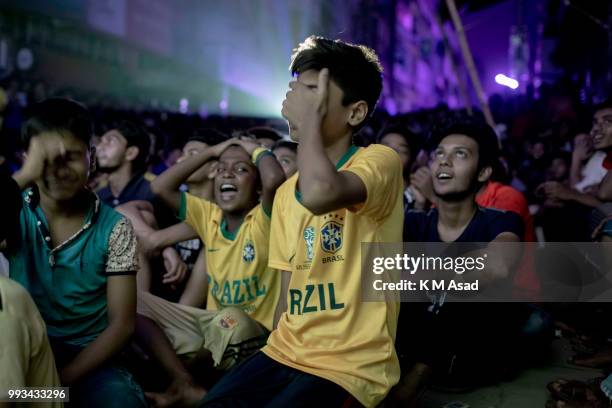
[[260, 381], [109, 385]]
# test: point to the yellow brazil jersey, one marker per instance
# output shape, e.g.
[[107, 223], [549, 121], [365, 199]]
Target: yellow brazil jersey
[[327, 330], [26, 357], [236, 262]]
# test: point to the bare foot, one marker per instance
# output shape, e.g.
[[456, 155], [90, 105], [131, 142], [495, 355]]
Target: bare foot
[[179, 394], [410, 387], [576, 394]]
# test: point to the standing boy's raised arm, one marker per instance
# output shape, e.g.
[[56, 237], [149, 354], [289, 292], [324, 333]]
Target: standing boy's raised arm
[[322, 187]]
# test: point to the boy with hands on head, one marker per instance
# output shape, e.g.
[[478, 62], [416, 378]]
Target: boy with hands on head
[[329, 348], [242, 292]]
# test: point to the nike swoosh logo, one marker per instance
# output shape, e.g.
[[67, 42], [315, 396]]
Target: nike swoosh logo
[[213, 250]]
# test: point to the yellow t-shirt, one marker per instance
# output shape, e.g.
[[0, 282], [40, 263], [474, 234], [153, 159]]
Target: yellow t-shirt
[[26, 359], [327, 330], [236, 263]]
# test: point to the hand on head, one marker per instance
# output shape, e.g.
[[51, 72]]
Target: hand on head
[[218, 149], [305, 103], [248, 143], [41, 152]]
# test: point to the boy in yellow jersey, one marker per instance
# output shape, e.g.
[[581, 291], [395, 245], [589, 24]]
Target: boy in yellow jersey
[[242, 291], [330, 348]]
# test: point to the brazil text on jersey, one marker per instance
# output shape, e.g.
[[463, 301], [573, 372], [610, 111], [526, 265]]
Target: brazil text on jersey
[[303, 301], [237, 291]]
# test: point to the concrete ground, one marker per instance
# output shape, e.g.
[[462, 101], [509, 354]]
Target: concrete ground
[[528, 390]]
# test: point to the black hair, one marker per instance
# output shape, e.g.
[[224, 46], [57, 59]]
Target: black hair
[[286, 144], [607, 104], [209, 136], [560, 154], [263, 132], [354, 68], [477, 130], [10, 207], [411, 138], [137, 136], [58, 115]]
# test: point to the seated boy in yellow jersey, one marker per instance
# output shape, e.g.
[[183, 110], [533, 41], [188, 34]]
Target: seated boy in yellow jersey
[[26, 359], [242, 291], [330, 348]]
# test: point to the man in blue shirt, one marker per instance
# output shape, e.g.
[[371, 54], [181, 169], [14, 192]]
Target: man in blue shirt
[[122, 153], [462, 157], [76, 257]]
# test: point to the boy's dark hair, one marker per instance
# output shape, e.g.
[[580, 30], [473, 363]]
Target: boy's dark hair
[[414, 141], [286, 144], [58, 115], [560, 154], [607, 104], [479, 131], [264, 132], [136, 136], [354, 68], [208, 136]]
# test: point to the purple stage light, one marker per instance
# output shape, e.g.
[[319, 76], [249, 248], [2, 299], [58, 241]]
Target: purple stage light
[[223, 105], [184, 105], [506, 81]]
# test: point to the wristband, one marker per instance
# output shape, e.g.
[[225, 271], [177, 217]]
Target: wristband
[[259, 153]]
